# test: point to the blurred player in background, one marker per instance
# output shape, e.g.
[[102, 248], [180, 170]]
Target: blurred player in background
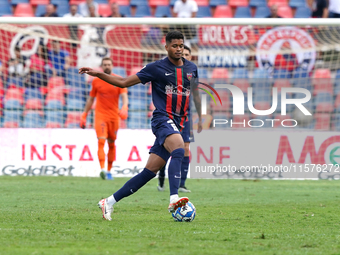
[[186, 138], [172, 80], [107, 115]]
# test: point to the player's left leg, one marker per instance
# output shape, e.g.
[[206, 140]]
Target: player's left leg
[[101, 131], [153, 165]]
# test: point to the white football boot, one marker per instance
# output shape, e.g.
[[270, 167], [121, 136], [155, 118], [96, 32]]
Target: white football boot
[[106, 209]]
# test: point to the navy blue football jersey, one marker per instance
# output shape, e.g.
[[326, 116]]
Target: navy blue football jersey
[[170, 87]]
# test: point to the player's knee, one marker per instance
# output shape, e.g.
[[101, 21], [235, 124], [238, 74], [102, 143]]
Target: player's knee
[[177, 153]]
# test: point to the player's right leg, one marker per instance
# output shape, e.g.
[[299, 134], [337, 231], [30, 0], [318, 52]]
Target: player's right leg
[[175, 146], [153, 165], [101, 130]]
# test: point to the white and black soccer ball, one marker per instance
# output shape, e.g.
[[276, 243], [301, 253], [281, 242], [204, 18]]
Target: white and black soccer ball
[[185, 213]]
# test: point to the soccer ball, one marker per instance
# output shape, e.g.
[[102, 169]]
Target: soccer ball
[[185, 213]]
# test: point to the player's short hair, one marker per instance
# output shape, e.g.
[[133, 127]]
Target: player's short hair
[[107, 58], [187, 48], [173, 35]]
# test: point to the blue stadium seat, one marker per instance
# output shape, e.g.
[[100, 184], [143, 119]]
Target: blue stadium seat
[[262, 12], [62, 2], [125, 10], [17, 81], [33, 119], [142, 11], [214, 3], [300, 73], [240, 73], [138, 120], [63, 9], [40, 10], [55, 117], [33, 93], [12, 117], [323, 98], [138, 2], [5, 8], [337, 83], [281, 74], [138, 104], [303, 12], [242, 12], [77, 94], [15, 2], [263, 94], [102, 1], [121, 71], [162, 11], [203, 11], [308, 105], [172, 2], [12, 104], [74, 80], [297, 3], [74, 104], [260, 74], [138, 91], [54, 105], [305, 83], [257, 3], [337, 122], [202, 73]]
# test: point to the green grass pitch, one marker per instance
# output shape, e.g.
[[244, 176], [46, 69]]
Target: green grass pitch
[[59, 215]]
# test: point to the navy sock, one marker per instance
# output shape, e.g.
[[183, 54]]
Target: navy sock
[[134, 184], [161, 176], [184, 171], [174, 170]]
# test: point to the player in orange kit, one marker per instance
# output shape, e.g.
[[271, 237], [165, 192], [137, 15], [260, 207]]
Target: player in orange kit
[[107, 115]]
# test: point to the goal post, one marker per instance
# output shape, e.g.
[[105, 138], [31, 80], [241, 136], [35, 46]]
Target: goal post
[[260, 54]]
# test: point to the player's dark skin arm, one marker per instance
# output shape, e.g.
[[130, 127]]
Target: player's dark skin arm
[[197, 101], [114, 80]]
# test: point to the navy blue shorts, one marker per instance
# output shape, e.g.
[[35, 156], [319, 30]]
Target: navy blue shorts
[[162, 127]]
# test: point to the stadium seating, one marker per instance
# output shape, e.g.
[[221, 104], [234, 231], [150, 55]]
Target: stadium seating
[[322, 121], [142, 11], [242, 12], [220, 73], [40, 10], [5, 8], [125, 10], [40, 2], [104, 10], [136, 3], [33, 104], [257, 3], [303, 12], [23, 10], [262, 12], [73, 119], [278, 2], [16, 2], [238, 3], [243, 84], [297, 3], [202, 3], [33, 119], [203, 12], [162, 10], [285, 12], [337, 122], [73, 79], [282, 83], [240, 73], [225, 98], [214, 3], [12, 118], [62, 10], [56, 94], [223, 11], [155, 3], [54, 119], [14, 94], [323, 102], [54, 82]]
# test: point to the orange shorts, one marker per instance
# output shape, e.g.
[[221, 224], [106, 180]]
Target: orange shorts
[[107, 129]]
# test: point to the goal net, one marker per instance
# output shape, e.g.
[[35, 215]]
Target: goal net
[[40, 85]]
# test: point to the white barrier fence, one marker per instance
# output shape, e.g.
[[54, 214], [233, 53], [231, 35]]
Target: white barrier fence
[[34, 152]]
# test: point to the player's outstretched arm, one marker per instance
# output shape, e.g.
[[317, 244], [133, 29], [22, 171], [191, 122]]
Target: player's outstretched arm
[[114, 80], [197, 101]]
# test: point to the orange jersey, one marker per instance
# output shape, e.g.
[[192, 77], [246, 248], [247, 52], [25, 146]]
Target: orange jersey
[[107, 99]]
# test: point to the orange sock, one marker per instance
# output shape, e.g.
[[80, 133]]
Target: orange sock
[[111, 155], [101, 153]]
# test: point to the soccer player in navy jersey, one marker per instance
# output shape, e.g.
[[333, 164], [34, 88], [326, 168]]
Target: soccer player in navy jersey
[[172, 79], [187, 138]]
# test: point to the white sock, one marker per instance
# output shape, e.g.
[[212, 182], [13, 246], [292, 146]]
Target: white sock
[[111, 200], [103, 170], [173, 197]]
